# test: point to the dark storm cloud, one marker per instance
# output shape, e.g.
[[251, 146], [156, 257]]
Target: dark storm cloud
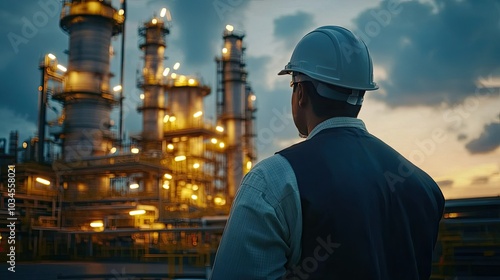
[[28, 30], [433, 53], [291, 28], [488, 141]]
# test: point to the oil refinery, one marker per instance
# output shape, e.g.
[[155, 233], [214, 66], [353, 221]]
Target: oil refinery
[[85, 192]]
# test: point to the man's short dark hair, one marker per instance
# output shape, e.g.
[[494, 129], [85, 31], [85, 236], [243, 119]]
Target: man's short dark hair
[[329, 108]]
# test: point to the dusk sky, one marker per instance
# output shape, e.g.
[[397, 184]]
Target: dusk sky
[[437, 64]]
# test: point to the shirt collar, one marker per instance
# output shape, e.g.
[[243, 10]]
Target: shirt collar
[[337, 122]]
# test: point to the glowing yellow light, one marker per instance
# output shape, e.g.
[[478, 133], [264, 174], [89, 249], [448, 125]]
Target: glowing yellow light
[[25, 145], [177, 65], [194, 197], [134, 186], [219, 200], [154, 21], [137, 212], [113, 150], [134, 150], [219, 128], [451, 215], [51, 56], [180, 158], [163, 12], [117, 88], [196, 165], [213, 140], [168, 176], [141, 96], [195, 187], [166, 185], [249, 164], [224, 50], [170, 146], [62, 68], [43, 181], [166, 71], [172, 119], [173, 75], [221, 145], [253, 97], [191, 81], [121, 12], [229, 27], [96, 224], [198, 114]]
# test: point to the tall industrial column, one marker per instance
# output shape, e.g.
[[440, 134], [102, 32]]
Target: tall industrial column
[[153, 109], [231, 104], [87, 97]]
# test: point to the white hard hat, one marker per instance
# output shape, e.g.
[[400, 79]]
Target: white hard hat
[[333, 55]]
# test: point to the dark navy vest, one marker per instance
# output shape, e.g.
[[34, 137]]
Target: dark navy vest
[[367, 212]]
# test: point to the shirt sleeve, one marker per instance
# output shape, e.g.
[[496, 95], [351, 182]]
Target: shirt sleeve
[[262, 236]]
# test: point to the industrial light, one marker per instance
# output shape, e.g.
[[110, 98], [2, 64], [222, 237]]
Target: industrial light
[[172, 119], [163, 12], [166, 185], [173, 75], [170, 146], [219, 200], [154, 21], [229, 27], [117, 88], [62, 68], [196, 165], [51, 56], [113, 150], [141, 96], [191, 81], [198, 114], [253, 97], [180, 158], [168, 176], [96, 224], [165, 118], [195, 187], [137, 212], [121, 12], [134, 150], [43, 181], [213, 140], [177, 65], [249, 165], [224, 50], [134, 186], [25, 145], [194, 197], [166, 71], [221, 145], [219, 128]]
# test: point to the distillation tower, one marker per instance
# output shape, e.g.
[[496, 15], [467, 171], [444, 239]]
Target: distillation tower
[[153, 44], [87, 97], [235, 108]]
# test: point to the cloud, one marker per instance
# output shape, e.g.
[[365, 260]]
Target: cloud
[[433, 52], [480, 180], [488, 141], [445, 183], [291, 28]]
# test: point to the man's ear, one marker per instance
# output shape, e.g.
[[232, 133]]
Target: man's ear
[[302, 97]]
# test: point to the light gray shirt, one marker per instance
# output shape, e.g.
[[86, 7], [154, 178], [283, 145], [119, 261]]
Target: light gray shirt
[[262, 236]]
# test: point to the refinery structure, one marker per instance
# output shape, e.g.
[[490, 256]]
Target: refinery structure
[[155, 192]]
